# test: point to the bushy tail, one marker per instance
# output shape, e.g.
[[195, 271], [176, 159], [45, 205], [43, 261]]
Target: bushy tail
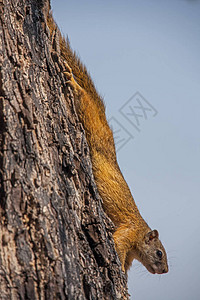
[[79, 70]]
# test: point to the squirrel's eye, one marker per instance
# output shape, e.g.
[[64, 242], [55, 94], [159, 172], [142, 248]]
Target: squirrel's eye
[[159, 253]]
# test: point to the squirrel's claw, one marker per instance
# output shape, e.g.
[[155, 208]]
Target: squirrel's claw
[[67, 68], [68, 75], [71, 84]]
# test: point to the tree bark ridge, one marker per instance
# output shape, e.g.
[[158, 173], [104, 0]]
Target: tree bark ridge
[[55, 239]]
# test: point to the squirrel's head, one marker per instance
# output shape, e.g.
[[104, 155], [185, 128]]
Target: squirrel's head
[[151, 253]]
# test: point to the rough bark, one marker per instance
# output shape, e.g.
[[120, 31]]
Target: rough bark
[[55, 239]]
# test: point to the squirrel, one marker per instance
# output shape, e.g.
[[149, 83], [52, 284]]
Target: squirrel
[[133, 238]]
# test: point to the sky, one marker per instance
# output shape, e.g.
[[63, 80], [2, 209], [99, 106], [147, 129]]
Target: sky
[[143, 56]]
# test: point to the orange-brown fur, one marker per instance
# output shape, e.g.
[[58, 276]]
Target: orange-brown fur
[[133, 237]]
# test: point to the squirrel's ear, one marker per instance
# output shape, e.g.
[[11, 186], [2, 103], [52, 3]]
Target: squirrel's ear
[[151, 235]]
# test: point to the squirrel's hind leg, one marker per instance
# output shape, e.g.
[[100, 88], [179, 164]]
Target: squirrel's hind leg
[[70, 79]]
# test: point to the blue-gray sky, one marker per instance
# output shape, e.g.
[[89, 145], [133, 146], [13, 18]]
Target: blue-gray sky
[[151, 47]]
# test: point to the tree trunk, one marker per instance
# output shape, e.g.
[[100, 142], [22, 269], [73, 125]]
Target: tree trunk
[[55, 239]]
